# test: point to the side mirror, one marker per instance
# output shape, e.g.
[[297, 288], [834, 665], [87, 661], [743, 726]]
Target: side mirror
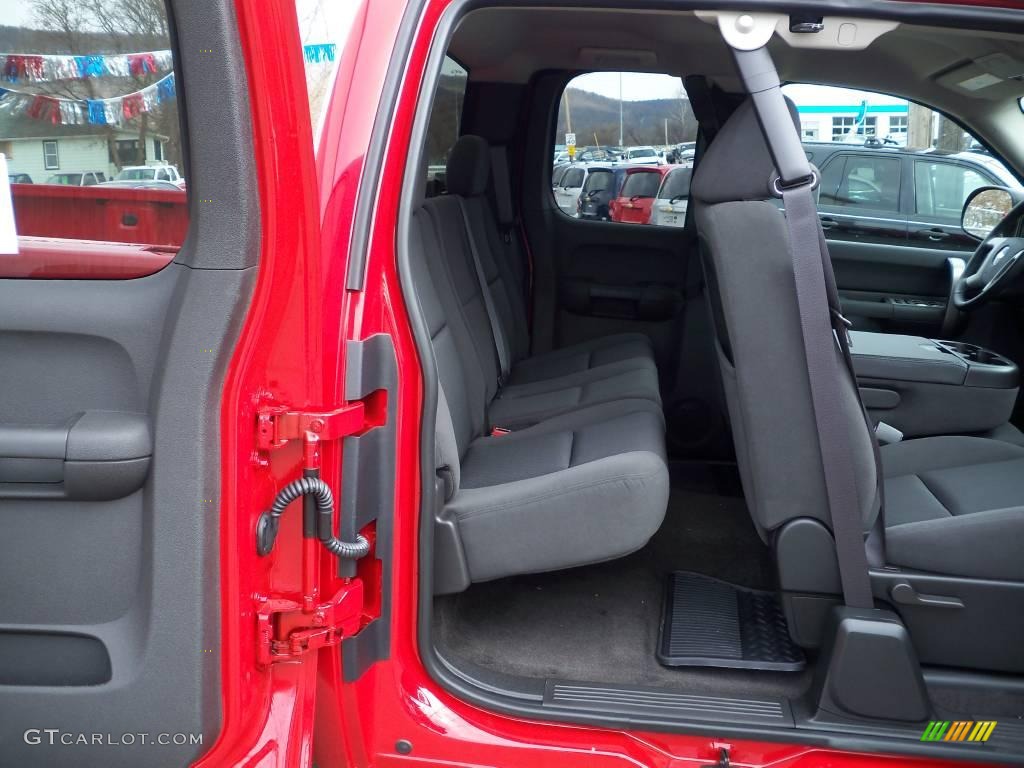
[[984, 209]]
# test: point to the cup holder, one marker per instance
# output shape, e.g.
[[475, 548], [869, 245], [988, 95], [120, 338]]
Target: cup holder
[[972, 353]]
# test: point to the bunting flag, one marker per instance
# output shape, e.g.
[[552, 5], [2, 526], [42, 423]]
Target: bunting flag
[[41, 68], [319, 53], [48, 67], [61, 111]]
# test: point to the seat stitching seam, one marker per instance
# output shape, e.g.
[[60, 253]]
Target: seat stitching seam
[[945, 507]]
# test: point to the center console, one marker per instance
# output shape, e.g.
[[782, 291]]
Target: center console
[[930, 387]]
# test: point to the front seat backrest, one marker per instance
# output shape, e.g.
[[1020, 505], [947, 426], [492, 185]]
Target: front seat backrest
[[745, 250]]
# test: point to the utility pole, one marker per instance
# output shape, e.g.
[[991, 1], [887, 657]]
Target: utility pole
[[919, 127], [568, 112], [620, 109], [666, 131]]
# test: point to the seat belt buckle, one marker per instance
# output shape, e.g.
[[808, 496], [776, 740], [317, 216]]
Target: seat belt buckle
[[886, 434], [499, 431]]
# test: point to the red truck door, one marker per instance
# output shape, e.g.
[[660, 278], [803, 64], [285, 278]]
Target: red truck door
[[182, 562]]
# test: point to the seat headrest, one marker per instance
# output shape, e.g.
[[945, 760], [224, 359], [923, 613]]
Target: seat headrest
[[737, 165], [469, 167]]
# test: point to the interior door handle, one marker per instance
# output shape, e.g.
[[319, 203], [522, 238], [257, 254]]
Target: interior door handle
[[905, 594], [828, 223]]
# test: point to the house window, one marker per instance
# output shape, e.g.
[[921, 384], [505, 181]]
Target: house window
[[845, 126], [51, 160], [158, 150], [128, 152], [809, 131], [898, 125]]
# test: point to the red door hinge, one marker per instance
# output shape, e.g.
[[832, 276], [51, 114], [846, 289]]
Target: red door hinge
[[276, 425], [285, 632]]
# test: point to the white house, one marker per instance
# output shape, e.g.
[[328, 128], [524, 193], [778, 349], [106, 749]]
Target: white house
[[830, 114], [41, 149]]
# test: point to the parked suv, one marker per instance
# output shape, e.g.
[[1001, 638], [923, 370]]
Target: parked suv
[[892, 196]]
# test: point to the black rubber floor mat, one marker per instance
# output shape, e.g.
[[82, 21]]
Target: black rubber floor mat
[[711, 623]]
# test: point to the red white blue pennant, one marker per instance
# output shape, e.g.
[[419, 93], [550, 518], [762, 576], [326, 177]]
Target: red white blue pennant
[[47, 67], [61, 111]]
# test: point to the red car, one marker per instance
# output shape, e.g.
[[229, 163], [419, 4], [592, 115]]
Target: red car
[[376, 458], [633, 205]]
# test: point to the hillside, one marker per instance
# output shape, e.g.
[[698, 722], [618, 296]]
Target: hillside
[[643, 122]]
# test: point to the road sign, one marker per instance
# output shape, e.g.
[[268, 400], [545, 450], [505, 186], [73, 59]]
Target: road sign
[[570, 140], [571, 149]]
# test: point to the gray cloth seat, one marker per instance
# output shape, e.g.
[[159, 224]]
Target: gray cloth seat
[[952, 505], [955, 505], [632, 349], [582, 477], [576, 489], [468, 176]]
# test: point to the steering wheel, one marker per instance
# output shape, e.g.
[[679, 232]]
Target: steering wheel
[[996, 261]]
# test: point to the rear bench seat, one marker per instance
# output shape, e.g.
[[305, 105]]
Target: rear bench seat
[[582, 477], [536, 387]]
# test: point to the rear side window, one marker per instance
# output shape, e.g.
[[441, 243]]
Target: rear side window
[[862, 181], [641, 185], [617, 122], [599, 181], [89, 89], [941, 188], [445, 122]]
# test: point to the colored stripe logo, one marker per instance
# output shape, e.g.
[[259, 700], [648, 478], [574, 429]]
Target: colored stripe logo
[[959, 730]]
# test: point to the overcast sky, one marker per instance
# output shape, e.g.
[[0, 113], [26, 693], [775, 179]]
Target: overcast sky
[[638, 86], [15, 13]]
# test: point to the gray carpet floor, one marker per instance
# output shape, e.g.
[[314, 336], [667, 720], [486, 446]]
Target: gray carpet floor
[[600, 623]]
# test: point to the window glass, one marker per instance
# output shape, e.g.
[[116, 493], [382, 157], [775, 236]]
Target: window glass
[[599, 181], [619, 121], [941, 188], [641, 185], [676, 185], [89, 91], [573, 178], [445, 122], [853, 129], [868, 182]]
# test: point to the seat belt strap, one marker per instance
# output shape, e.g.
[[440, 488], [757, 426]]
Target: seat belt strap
[[502, 192], [820, 349], [497, 332], [822, 327]]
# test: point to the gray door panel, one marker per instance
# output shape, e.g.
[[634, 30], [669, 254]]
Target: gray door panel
[[110, 612], [896, 288], [108, 623]]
